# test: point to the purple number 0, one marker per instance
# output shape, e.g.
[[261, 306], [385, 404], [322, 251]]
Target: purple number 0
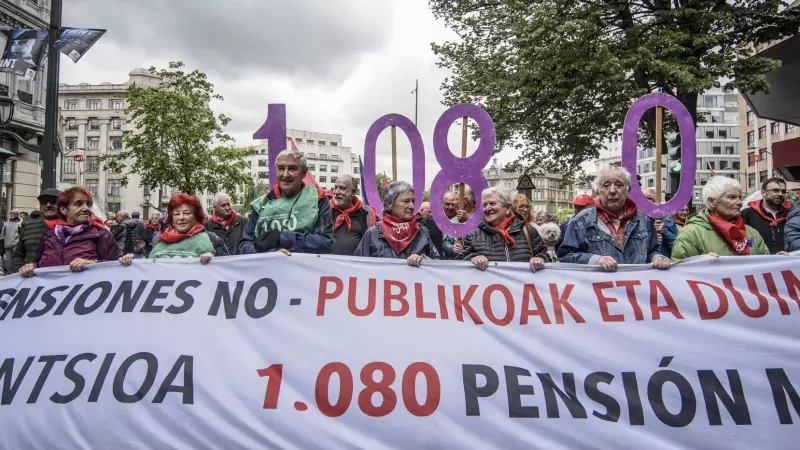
[[461, 170], [630, 140], [274, 131], [417, 159]]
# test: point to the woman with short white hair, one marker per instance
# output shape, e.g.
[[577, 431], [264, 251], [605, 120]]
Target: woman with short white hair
[[503, 235], [719, 229]]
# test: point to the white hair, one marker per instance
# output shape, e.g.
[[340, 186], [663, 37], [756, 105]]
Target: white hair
[[393, 191], [297, 156], [218, 198], [606, 174], [716, 187], [505, 195]]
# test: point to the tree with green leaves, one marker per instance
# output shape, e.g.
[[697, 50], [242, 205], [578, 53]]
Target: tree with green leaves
[[178, 140], [379, 181], [558, 76]]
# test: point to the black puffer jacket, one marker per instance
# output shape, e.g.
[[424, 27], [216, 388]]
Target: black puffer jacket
[[486, 241], [374, 244]]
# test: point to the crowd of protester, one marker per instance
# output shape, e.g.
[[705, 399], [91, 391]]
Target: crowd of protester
[[607, 228]]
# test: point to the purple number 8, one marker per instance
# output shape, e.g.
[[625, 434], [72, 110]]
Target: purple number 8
[[461, 170], [630, 140], [417, 159]]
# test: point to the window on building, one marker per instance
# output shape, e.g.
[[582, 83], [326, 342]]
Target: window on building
[[323, 156], [775, 128], [762, 154], [92, 104], [298, 140], [736, 165], [323, 179], [333, 179], [355, 170], [71, 143], [263, 151], [334, 144], [262, 163], [751, 138], [116, 124], [762, 132], [114, 187], [115, 104], [789, 128], [323, 168], [763, 175], [750, 117], [716, 149], [312, 167], [263, 175], [70, 165], [318, 142], [112, 206], [723, 165], [91, 186], [72, 124], [729, 150], [71, 104], [750, 159], [94, 143], [722, 133], [116, 143], [92, 164], [709, 133], [311, 156], [712, 165], [334, 168], [94, 124]]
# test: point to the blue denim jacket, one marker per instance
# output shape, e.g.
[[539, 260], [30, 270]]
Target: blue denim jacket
[[585, 243]]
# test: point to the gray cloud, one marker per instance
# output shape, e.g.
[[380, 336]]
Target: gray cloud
[[312, 39]]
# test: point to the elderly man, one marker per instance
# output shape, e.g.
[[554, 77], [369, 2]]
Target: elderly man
[[226, 223], [351, 218], [426, 220], [450, 204], [613, 231], [292, 217], [10, 235], [31, 231], [450, 244], [768, 216], [666, 228]]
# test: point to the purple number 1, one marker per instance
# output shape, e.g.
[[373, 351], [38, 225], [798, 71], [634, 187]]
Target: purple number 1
[[274, 132]]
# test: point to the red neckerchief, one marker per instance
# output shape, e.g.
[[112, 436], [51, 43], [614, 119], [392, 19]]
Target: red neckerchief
[[171, 236], [93, 221], [399, 234], [733, 233], [773, 222], [225, 223], [153, 226], [344, 214], [503, 230], [608, 218]]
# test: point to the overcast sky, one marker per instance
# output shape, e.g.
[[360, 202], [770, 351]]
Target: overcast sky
[[337, 65]]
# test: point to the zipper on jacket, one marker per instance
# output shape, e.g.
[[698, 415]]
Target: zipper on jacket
[[508, 256]]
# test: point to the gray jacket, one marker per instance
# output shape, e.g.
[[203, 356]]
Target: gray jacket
[[11, 234]]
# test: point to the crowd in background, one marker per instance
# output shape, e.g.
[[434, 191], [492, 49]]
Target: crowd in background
[[607, 228]]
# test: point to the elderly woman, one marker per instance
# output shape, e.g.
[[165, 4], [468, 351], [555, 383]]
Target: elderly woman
[[293, 216], [398, 235], [76, 238], [522, 208], [719, 230], [185, 236], [503, 235]]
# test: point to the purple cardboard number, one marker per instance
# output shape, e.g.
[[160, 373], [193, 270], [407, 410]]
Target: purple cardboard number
[[461, 170], [417, 159], [630, 140], [274, 132]]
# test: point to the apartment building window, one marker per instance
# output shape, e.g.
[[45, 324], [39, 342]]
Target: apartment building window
[[116, 124], [262, 163], [91, 186], [762, 132], [323, 179], [71, 142], [736, 165], [716, 150], [113, 206], [298, 140], [789, 128], [751, 138], [72, 124], [775, 128], [323, 156], [334, 144], [71, 104], [723, 165], [311, 156], [712, 165], [114, 187], [312, 167], [750, 159], [115, 104], [750, 117], [729, 150], [92, 104], [334, 168], [323, 168], [94, 124], [116, 143], [333, 179], [709, 132], [355, 170], [92, 164], [94, 143], [70, 165], [263, 175], [763, 175], [722, 133]]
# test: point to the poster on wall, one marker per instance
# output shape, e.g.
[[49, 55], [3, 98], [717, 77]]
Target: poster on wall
[[23, 52], [75, 42]]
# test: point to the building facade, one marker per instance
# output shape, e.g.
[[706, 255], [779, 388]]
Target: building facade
[[757, 136], [22, 174], [549, 195]]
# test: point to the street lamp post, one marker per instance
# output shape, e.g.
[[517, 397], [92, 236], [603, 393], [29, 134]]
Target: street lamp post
[[146, 206]]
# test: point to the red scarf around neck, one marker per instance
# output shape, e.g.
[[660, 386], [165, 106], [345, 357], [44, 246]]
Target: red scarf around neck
[[344, 214], [758, 207], [610, 219], [399, 234], [503, 230], [153, 226], [93, 221], [171, 235], [679, 222], [225, 223], [734, 234]]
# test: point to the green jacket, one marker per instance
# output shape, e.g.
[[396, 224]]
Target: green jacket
[[30, 235], [191, 247], [698, 238]]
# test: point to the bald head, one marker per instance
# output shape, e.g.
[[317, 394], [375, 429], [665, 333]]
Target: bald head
[[450, 204], [343, 191]]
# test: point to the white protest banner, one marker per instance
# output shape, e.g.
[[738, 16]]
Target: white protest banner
[[270, 351]]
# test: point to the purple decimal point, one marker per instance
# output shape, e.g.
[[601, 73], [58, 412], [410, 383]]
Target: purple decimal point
[[274, 132], [417, 159], [461, 170], [630, 141]]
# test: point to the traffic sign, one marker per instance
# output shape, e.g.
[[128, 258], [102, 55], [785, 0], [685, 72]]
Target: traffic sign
[[525, 182]]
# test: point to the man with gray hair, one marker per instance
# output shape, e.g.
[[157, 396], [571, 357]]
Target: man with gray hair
[[226, 223], [351, 218], [292, 216], [613, 231]]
